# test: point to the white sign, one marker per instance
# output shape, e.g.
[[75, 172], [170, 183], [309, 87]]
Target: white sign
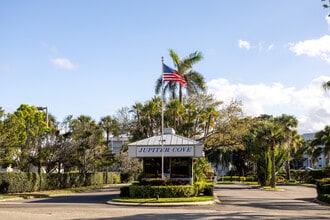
[[169, 151]]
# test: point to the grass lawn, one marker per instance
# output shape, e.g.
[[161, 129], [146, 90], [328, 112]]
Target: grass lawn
[[163, 200]]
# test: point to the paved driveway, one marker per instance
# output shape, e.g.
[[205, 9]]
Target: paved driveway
[[237, 202]]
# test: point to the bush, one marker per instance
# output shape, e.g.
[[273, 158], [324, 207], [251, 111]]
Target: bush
[[163, 182], [209, 190], [111, 177], [323, 186], [238, 178], [124, 191], [324, 198], [138, 191], [172, 191], [199, 187], [30, 182]]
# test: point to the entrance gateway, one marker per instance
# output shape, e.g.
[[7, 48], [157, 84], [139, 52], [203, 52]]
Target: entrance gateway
[[178, 152]]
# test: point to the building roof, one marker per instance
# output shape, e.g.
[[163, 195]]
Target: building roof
[[169, 139]]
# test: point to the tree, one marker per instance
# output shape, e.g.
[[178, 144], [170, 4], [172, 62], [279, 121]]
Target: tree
[[25, 132], [326, 3], [109, 126], [291, 137], [88, 141], [173, 115], [326, 85], [265, 136], [228, 134], [195, 81], [321, 138]]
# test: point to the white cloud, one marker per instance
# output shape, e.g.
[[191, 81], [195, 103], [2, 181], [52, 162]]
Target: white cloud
[[5, 68], [327, 19], [270, 47], [244, 44], [311, 105], [265, 47], [64, 63], [313, 48]]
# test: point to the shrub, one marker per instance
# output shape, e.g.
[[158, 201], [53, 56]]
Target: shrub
[[147, 191], [324, 198], [152, 182], [111, 177], [323, 186], [124, 191], [209, 190], [29, 182], [163, 182], [172, 191], [136, 191], [199, 187]]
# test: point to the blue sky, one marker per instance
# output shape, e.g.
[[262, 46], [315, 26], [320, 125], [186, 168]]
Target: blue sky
[[94, 57]]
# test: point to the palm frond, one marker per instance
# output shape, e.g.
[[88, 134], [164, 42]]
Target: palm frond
[[326, 86]]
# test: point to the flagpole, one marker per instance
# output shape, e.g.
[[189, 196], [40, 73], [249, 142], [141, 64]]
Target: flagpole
[[162, 129]]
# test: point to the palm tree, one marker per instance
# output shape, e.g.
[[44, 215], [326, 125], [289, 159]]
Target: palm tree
[[291, 138], [326, 85], [174, 114], [109, 126], [322, 138], [195, 81]]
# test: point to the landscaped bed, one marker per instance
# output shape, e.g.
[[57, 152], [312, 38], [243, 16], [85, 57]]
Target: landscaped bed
[[163, 200]]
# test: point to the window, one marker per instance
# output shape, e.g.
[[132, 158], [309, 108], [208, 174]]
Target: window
[[180, 167]]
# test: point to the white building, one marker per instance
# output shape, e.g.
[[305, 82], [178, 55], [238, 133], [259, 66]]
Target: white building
[[116, 143], [320, 162]]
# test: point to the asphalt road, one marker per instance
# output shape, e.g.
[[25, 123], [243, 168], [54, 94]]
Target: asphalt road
[[237, 202]]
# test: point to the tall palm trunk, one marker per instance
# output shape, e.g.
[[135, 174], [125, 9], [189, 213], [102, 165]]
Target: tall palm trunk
[[273, 184]]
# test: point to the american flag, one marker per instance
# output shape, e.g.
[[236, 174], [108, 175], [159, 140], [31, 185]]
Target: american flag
[[170, 75]]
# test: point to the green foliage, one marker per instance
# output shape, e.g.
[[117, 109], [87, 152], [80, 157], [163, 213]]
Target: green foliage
[[31, 182], [136, 191], [323, 186], [309, 176], [184, 67], [199, 187], [324, 198], [202, 170], [209, 190], [323, 190], [163, 182], [164, 200], [239, 178], [124, 191], [131, 168], [147, 191], [204, 188], [111, 177]]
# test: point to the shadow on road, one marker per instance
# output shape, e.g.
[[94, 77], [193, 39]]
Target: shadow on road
[[232, 215], [97, 197]]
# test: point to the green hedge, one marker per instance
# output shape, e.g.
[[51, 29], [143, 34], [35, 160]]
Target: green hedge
[[324, 198], [163, 182], [323, 186], [310, 176], [138, 191], [237, 178], [323, 190], [30, 182], [209, 190]]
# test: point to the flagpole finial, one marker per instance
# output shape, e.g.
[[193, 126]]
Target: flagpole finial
[[162, 59]]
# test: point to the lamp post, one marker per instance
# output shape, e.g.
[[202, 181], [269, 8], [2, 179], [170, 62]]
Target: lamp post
[[44, 108]]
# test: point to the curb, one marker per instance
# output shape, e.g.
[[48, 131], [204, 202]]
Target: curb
[[214, 201], [161, 204]]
